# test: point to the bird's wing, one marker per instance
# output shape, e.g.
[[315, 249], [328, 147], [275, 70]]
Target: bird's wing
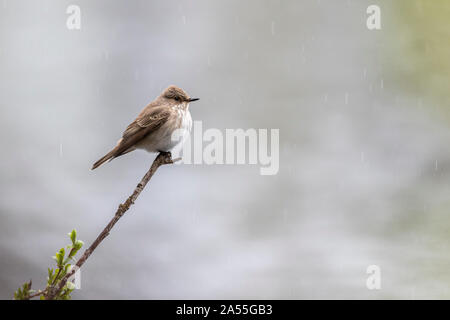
[[149, 120]]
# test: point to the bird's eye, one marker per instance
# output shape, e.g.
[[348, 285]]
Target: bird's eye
[[177, 98]]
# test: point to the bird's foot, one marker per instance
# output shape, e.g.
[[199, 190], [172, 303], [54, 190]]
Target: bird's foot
[[166, 153], [165, 157]]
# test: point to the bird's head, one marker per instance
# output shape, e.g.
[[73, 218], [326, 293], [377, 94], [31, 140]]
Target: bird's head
[[177, 95]]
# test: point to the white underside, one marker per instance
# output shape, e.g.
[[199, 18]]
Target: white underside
[[164, 138]]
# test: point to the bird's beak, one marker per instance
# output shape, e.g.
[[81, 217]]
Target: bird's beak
[[193, 99]]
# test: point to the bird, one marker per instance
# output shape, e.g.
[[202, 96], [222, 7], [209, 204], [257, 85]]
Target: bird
[[153, 128]]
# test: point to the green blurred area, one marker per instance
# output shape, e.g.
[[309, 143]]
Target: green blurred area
[[420, 37]]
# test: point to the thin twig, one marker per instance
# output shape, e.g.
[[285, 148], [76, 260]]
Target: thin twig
[[162, 159], [38, 293]]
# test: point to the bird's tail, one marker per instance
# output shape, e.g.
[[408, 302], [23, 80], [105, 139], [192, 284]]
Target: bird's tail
[[109, 156]]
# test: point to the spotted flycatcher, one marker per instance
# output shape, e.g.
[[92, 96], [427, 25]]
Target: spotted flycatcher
[[153, 128]]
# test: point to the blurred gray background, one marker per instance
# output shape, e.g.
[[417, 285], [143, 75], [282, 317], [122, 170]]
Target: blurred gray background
[[364, 158]]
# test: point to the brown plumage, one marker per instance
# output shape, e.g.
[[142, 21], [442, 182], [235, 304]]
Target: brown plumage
[[153, 128]]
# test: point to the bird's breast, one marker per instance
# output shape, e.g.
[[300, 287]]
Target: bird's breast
[[185, 120], [173, 132]]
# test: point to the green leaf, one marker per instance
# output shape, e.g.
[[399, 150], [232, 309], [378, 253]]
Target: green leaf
[[70, 285], [23, 292], [60, 257], [72, 252], [73, 235], [78, 244]]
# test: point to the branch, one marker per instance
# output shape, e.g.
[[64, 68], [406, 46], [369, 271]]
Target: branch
[[162, 159]]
